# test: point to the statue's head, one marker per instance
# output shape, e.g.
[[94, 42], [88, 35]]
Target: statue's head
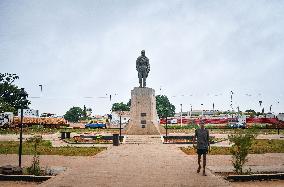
[[143, 52]]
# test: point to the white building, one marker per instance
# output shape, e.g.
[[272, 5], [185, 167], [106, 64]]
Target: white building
[[125, 117], [242, 119], [6, 119], [270, 115], [89, 112], [29, 113], [198, 113], [280, 116]]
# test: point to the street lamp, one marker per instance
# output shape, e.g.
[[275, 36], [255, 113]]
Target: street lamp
[[165, 115], [166, 129], [232, 102], [260, 103], [120, 126], [23, 96], [238, 111], [110, 99], [180, 114], [202, 110]]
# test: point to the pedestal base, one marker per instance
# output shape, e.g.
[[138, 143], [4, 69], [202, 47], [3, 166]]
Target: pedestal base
[[143, 113]]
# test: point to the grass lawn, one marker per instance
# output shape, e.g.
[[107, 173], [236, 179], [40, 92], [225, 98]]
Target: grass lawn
[[41, 130], [45, 148], [258, 147]]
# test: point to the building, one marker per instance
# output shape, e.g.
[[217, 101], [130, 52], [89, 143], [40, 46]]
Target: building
[[242, 119], [280, 116], [50, 115], [270, 115], [125, 117], [198, 113], [29, 113], [88, 112]]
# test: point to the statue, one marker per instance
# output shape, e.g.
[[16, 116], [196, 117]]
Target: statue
[[143, 68]]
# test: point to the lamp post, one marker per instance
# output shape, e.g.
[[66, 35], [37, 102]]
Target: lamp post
[[120, 125], [23, 95], [238, 111], [232, 102], [166, 114], [202, 111], [260, 103], [180, 114], [166, 129]]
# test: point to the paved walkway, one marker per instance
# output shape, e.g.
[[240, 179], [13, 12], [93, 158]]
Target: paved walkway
[[152, 164], [174, 169], [137, 165]]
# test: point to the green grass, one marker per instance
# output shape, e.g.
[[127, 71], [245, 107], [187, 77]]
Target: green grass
[[29, 130], [193, 126], [41, 130], [268, 146], [258, 147], [45, 148]]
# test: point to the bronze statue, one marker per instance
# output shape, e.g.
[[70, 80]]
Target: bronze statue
[[143, 68]]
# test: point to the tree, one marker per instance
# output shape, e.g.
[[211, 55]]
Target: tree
[[251, 112], [120, 107], [10, 98], [74, 114], [129, 103], [164, 107]]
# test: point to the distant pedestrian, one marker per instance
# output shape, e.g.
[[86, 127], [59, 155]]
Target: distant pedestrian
[[202, 136]]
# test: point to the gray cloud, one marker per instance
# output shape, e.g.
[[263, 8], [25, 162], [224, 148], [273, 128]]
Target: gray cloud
[[88, 48]]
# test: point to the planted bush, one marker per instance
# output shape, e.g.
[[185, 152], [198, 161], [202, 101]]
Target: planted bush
[[34, 169], [242, 142]]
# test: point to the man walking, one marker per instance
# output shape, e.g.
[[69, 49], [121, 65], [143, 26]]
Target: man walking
[[202, 136]]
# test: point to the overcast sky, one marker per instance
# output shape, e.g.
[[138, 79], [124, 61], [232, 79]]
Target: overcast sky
[[199, 51]]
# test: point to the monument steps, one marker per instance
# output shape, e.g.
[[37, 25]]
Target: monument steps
[[143, 139]]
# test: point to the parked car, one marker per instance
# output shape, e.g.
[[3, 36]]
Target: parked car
[[237, 125], [95, 125]]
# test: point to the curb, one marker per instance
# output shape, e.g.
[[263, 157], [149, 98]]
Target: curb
[[279, 176], [30, 178]]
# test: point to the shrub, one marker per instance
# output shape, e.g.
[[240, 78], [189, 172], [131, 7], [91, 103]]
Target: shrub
[[242, 142], [34, 169]]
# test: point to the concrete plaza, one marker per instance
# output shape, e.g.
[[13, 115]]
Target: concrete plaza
[[148, 164]]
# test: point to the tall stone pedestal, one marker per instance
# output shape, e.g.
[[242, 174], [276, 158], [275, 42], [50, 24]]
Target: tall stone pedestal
[[143, 113]]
